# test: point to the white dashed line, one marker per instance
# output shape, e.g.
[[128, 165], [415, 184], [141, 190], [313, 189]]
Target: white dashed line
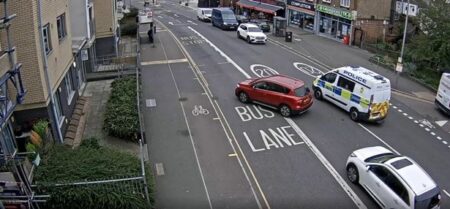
[[421, 125], [432, 133], [439, 138], [395, 107], [405, 114], [427, 129], [411, 118], [390, 104], [445, 142], [446, 193], [416, 121], [399, 110]]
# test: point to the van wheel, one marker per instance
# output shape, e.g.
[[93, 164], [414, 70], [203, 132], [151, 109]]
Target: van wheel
[[352, 173], [285, 110], [354, 114], [318, 94], [248, 39]]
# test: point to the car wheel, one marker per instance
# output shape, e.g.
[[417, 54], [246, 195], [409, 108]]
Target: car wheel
[[248, 39], [318, 94], [352, 173], [285, 111], [354, 114], [243, 97], [238, 35]]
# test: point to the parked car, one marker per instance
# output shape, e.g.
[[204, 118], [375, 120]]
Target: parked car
[[224, 18], [288, 95], [242, 19], [394, 181], [204, 14], [262, 24], [251, 33]]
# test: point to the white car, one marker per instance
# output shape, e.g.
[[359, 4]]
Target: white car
[[251, 33], [394, 181]]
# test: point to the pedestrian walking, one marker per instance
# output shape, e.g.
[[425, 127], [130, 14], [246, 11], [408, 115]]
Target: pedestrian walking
[[150, 35]]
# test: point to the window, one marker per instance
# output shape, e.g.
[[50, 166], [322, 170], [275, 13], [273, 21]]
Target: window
[[69, 86], [47, 39], [346, 84], [261, 85], [277, 88], [391, 181], [57, 106], [345, 3], [329, 77], [61, 24]]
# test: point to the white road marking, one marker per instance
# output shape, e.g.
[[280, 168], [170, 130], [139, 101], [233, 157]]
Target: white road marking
[[405, 114], [170, 23], [262, 70], [415, 121], [221, 53], [439, 138], [216, 118], [379, 139], [327, 164], [399, 110], [427, 129], [411, 118], [432, 133], [446, 193], [159, 169], [297, 39], [176, 15], [232, 155], [395, 107], [193, 23], [158, 62], [445, 142], [441, 122]]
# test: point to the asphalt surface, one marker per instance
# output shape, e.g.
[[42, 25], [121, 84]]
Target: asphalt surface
[[211, 151]]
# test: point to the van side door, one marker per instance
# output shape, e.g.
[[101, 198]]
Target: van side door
[[343, 92], [327, 82]]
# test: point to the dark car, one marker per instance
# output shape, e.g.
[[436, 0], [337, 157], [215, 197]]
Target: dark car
[[288, 95], [242, 19], [262, 24]]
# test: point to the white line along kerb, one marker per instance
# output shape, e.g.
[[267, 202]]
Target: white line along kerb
[[297, 129]]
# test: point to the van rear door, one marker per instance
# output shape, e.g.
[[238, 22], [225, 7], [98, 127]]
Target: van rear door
[[443, 94]]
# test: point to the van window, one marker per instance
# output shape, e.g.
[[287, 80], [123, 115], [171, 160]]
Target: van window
[[346, 84], [329, 77]]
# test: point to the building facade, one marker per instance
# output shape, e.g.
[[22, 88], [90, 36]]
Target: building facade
[[15, 188], [347, 21], [44, 43], [107, 30]]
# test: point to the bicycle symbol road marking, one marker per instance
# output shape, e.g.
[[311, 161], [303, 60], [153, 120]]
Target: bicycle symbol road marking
[[199, 110]]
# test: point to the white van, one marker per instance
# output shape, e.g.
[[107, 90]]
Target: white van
[[361, 92], [204, 14], [443, 95]]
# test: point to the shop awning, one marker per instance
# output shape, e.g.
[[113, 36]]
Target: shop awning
[[256, 5]]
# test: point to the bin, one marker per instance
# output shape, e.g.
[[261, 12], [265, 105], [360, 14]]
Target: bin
[[288, 37]]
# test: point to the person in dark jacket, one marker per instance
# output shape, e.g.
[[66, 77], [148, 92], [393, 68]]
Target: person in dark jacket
[[150, 35]]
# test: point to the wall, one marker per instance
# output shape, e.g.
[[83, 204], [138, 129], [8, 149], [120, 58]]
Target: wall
[[78, 12], [379, 9], [104, 18]]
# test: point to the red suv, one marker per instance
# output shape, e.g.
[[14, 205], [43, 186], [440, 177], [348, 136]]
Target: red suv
[[289, 95]]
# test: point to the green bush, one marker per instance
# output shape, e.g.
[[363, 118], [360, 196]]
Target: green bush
[[91, 142], [121, 116], [64, 165], [40, 128]]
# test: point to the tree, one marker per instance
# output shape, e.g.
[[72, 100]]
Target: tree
[[431, 48]]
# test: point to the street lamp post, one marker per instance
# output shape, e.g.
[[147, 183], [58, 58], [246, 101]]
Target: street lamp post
[[399, 67]]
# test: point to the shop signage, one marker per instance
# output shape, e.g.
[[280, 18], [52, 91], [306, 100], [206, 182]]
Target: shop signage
[[334, 11], [302, 5]]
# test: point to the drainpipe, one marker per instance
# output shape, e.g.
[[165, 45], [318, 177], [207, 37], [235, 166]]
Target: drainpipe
[[47, 77]]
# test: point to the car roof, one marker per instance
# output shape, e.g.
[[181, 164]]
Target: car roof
[[286, 81], [414, 175], [249, 25], [355, 72]]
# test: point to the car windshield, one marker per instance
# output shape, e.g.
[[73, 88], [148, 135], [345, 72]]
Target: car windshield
[[300, 92], [207, 11], [381, 158], [228, 16], [253, 29]]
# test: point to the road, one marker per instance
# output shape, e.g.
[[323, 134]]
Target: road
[[211, 151]]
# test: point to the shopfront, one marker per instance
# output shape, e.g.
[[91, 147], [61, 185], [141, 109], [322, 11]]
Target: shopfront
[[301, 14], [335, 23]]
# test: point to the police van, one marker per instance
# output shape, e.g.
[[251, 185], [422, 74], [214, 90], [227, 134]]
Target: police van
[[359, 91], [443, 95]]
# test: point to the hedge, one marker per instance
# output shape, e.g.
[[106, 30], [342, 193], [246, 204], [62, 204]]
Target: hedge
[[89, 162], [121, 116]]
